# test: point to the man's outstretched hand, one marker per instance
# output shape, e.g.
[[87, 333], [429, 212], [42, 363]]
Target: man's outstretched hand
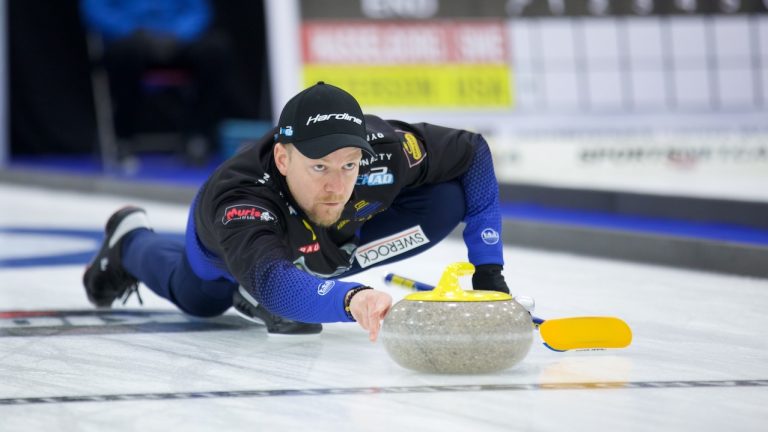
[[369, 307]]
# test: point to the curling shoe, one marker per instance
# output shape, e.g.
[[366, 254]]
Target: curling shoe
[[247, 307], [105, 279]]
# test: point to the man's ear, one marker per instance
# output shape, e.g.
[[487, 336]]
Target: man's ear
[[281, 155]]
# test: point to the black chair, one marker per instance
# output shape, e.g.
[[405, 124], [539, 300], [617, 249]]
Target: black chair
[[167, 92]]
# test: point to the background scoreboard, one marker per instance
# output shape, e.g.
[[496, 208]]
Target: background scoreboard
[[663, 97]]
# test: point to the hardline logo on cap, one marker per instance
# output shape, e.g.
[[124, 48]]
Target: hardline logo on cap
[[325, 117]]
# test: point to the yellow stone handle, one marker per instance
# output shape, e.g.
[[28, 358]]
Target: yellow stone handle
[[449, 281], [449, 290]]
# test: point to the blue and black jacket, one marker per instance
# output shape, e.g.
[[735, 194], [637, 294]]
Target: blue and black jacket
[[244, 225]]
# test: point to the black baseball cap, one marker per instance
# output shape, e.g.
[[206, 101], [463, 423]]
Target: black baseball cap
[[322, 119]]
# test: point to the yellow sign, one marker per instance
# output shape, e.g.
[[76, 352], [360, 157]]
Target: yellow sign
[[438, 86]]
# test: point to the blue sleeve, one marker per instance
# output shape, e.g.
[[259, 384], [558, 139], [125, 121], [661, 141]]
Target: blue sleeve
[[253, 252], [106, 18], [292, 293], [482, 233], [194, 20], [185, 19]]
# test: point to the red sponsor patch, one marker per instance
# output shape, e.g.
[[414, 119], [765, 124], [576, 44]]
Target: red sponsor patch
[[247, 212], [310, 248]]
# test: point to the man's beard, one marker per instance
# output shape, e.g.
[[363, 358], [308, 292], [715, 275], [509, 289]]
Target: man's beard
[[326, 222]]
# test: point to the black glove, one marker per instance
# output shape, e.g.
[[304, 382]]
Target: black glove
[[488, 277]]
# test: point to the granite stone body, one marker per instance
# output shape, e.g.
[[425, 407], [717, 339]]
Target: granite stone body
[[457, 337]]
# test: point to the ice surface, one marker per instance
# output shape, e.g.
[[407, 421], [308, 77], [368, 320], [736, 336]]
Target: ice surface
[[699, 359]]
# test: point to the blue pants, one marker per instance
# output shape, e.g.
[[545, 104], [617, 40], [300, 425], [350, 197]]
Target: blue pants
[[161, 262]]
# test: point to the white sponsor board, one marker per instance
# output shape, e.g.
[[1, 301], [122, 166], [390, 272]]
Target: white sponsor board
[[722, 166]]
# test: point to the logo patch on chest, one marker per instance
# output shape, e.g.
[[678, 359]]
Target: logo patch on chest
[[379, 176], [364, 208], [392, 246], [310, 248], [247, 212], [412, 149]]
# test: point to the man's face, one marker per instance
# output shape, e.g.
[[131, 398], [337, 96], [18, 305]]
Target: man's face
[[321, 187]]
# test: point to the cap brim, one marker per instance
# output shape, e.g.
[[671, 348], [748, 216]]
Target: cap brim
[[320, 147]]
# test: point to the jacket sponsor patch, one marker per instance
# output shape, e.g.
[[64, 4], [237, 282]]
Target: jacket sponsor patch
[[364, 208], [378, 176], [310, 248], [413, 150], [392, 246], [247, 212], [490, 236], [325, 287]]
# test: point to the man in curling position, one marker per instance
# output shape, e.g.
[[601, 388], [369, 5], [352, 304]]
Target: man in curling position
[[328, 194]]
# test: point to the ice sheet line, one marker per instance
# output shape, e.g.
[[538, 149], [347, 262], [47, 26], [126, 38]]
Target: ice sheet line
[[607, 385]]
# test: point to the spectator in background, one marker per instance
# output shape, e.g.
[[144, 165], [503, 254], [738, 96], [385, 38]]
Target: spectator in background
[[143, 34]]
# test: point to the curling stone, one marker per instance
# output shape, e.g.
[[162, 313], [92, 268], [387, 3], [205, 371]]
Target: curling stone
[[452, 331]]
